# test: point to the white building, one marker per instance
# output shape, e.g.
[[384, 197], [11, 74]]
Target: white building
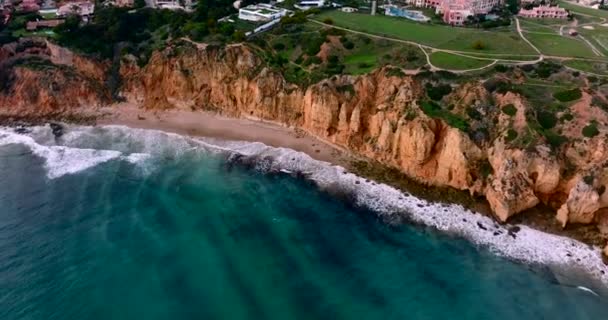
[[77, 8], [308, 4], [261, 12], [349, 9]]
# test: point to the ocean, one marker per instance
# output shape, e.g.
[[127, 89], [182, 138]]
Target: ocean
[[118, 223]]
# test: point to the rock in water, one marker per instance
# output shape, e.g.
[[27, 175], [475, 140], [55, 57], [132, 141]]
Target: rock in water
[[57, 129]]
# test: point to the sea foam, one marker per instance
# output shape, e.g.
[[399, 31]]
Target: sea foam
[[84, 147]]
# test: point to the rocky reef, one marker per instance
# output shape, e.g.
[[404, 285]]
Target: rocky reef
[[476, 138]]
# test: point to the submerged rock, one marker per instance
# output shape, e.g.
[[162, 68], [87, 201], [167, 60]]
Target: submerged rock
[[57, 129]]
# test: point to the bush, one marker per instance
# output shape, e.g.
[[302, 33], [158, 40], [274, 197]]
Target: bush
[[313, 46], [590, 130], [312, 60], [501, 68], [511, 135], [509, 110], [433, 110], [546, 119], [438, 92], [333, 32], [567, 117], [328, 21], [568, 95], [363, 65], [478, 45], [279, 46], [474, 114], [546, 69], [554, 139], [349, 45]]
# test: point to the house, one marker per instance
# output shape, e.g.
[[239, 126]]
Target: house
[[77, 8], [544, 12], [34, 25], [261, 12], [308, 4], [455, 12], [349, 9], [185, 5], [28, 6]]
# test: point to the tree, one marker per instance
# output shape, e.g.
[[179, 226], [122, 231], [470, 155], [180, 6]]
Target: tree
[[137, 4]]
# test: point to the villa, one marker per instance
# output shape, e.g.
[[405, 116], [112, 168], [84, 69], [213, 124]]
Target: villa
[[307, 4], [29, 6], [261, 12], [77, 8], [541, 12], [34, 25], [455, 12]]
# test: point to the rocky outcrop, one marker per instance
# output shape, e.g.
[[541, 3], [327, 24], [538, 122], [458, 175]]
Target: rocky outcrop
[[378, 116]]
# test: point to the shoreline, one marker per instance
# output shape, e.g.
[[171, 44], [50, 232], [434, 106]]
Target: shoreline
[[210, 125], [571, 262]]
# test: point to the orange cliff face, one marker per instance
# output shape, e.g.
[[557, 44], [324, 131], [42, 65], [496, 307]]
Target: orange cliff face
[[39, 79], [377, 115]]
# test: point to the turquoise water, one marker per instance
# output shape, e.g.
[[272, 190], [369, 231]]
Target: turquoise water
[[190, 235]]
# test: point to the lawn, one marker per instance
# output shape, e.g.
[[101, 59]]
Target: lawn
[[20, 33], [598, 37], [439, 36], [564, 46], [588, 66], [537, 25], [449, 61], [584, 10]]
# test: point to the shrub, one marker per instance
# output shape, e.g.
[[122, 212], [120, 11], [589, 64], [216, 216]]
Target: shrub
[[568, 95], [474, 114], [509, 110], [545, 69], [349, 45], [312, 60], [279, 46], [511, 135], [363, 65], [313, 46], [554, 139], [438, 92], [567, 117], [501, 68], [590, 130], [333, 32], [478, 45], [434, 110], [328, 21], [546, 119], [395, 72]]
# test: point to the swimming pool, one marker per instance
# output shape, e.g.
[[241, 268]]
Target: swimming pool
[[404, 13]]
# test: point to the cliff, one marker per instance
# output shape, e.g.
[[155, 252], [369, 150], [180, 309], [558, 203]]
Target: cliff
[[473, 145]]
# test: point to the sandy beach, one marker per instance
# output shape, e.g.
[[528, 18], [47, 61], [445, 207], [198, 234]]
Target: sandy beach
[[205, 124]]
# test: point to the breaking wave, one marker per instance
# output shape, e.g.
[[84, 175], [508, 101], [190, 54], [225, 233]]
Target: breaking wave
[[80, 148]]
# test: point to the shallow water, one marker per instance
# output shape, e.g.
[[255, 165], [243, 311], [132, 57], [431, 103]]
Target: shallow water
[[166, 229]]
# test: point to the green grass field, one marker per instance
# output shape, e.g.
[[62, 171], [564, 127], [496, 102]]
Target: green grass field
[[598, 37], [587, 66], [584, 10], [556, 45], [439, 36], [537, 25], [454, 62]]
